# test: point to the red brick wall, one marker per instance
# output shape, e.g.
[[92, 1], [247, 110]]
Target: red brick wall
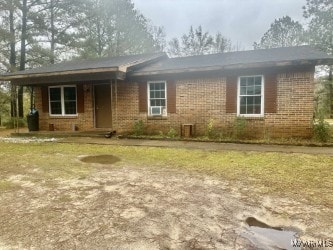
[[197, 102]]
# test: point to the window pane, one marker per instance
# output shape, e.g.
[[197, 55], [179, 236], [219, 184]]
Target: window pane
[[158, 102], [243, 81], [56, 108], [257, 100], [70, 107], [257, 109], [152, 103], [152, 94], [243, 100], [250, 105], [249, 109], [243, 109], [55, 94], [158, 94], [250, 90], [242, 90], [152, 86], [257, 90], [258, 80], [249, 100], [250, 81], [70, 93], [163, 102]]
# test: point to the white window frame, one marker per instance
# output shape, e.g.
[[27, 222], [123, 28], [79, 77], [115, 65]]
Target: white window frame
[[165, 112], [62, 100], [262, 106]]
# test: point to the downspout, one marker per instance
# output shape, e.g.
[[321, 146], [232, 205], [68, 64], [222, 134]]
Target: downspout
[[32, 99], [16, 118]]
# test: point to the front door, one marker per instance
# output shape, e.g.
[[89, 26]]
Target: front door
[[103, 118]]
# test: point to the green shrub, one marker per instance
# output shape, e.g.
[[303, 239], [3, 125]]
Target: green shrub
[[321, 130], [13, 122], [210, 130], [138, 128], [172, 133], [239, 128]]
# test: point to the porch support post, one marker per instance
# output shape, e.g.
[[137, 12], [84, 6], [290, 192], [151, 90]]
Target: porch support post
[[32, 103], [116, 110]]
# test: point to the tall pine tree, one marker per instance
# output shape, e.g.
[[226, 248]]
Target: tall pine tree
[[115, 27], [284, 32]]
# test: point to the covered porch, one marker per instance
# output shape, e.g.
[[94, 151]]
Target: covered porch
[[88, 103]]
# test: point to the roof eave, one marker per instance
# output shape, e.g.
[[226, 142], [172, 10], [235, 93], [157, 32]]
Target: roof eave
[[59, 73], [235, 66]]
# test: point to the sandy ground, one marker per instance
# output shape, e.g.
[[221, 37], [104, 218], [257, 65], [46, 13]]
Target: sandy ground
[[131, 208], [125, 208]]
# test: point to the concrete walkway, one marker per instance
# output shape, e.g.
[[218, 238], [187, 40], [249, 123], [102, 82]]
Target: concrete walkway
[[211, 146]]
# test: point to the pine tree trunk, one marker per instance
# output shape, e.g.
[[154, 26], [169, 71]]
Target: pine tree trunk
[[52, 60], [23, 55], [12, 60]]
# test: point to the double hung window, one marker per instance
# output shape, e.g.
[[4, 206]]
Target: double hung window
[[250, 96], [63, 100], [157, 98]]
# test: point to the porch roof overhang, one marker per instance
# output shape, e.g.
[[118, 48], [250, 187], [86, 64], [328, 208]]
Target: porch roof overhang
[[101, 69], [67, 77]]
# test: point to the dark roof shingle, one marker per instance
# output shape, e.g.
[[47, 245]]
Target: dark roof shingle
[[241, 58], [98, 63]]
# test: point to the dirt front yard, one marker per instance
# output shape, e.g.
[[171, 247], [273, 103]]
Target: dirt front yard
[[82, 196]]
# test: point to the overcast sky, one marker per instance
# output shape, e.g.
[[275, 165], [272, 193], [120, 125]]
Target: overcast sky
[[243, 21]]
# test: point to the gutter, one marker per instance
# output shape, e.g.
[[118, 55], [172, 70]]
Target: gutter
[[59, 73], [232, 67]]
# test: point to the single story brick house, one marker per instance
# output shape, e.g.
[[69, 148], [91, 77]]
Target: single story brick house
[[271, 89]]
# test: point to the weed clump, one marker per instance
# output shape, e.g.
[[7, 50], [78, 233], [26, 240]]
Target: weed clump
[[321, 130], [239, 128], [172, 133], [138, 128]]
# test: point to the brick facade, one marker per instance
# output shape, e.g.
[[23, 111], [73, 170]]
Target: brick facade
[[197, 102]]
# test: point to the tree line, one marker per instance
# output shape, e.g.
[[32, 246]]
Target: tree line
[[39, 32]]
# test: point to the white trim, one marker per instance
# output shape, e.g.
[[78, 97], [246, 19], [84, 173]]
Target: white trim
[[164, 112], [62, 100], [262, 107]]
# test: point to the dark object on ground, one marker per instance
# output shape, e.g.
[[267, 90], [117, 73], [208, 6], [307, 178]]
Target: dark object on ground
[[33, 120], [110, 134], [253, 222]]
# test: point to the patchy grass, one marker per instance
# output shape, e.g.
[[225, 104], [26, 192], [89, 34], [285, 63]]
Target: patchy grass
[[7, 186], [297, 176]]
